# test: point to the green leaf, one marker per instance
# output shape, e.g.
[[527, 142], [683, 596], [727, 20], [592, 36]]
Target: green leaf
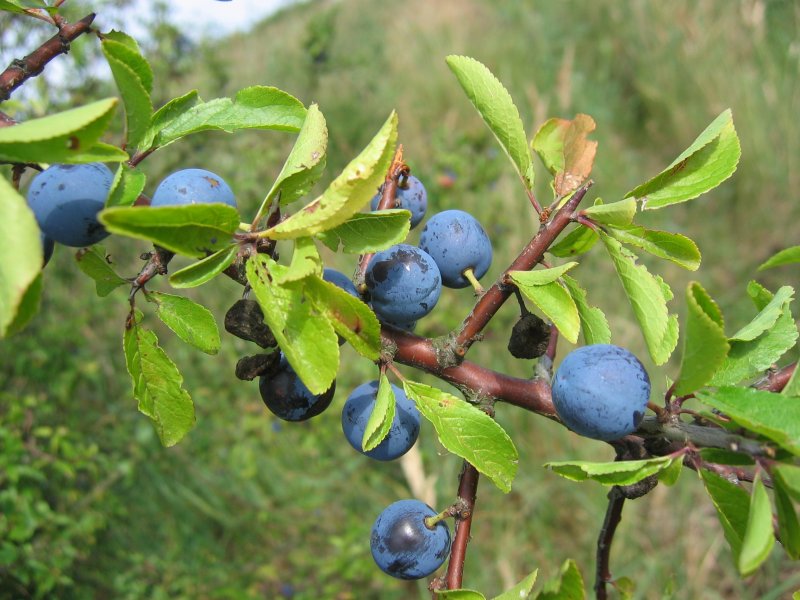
[[520, 591], [60, 138], [204, 270], [790, 479], [674, 247], [793, 385], [567, 586], [305, 163], [98, 152], [579, 240], [704, 343], [351, 190], [617, 213], [190, 321], [498, 111], [168, 113], [157, 383], [648, 296], [368, 232], [733, 506], [134, 79], [610, 473], [774, 416], [193, 230], [381, 417], [709, 161], [20, 239], [21, 6], [670, 475], [350, 316], [128, 184], [768, 316], [565, 150], [468, 432], [97, 264], [594, 324], [788, 524], [459, 595], [759, 536], [306, 336], [256, 107], [787, 256], [553, 300], [725, 457], [305, 261], [542, 276], [548, 143], [28, 307]]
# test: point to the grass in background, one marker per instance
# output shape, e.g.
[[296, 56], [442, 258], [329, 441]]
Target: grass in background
[[249, 507]]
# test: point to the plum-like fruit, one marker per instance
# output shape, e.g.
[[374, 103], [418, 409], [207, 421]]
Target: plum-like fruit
[[601, 391], [66, 199], [403, 546], [403, 432], [341, 280], [411, 195], [48, 246], [288, 397], [193, 186], [457, 242], [404, 283]]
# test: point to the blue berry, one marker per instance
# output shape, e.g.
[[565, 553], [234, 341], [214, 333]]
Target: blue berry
[[457, 242], [403, 432], [48, 246], [288, 397], [341, 280], [193, 186], [411, 195], [66, 200], [404, 283], [601, 391], [403, 546]]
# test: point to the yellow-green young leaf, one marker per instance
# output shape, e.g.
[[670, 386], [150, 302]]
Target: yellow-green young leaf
[[305, 335], [733, 505], [579, 240], [610, 473], [64, 137], [594, 324], [790, 478], [704, 343], [381, 417], [566, 152], [463, 594], [759, 536], [548, 143], [204, 270], [541, 276], [28, 307], [368, 232], [21, 249], [774, 416], [96, 264], [167, 114], [126, 49], [787, 256], [350, 191], [468, 432], [556, 303], [616, 213], [709, 161], [256, 107], [648, 296], [673, 247], [670, 475], [350, 317], [305, 261], [20, 6], [625, 586], [788, 524], [567, 586], [190, 321], [520, 591], [157, 383], [498, 111], [127, 185], [134, 78], [305, 163], [194, 230], [97, 152], [767, 317]]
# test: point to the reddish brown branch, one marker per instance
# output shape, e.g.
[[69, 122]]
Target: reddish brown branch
[[467, 491], [6, 121], [776, 381], [496, 295], [32, 65], [616, 501]]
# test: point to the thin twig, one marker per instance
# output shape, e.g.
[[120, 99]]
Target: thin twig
[[467, 491], [616, 500]]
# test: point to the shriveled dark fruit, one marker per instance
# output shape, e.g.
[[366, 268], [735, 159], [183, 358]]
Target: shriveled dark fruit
[[246, 321], [288, 397], [250, 367], [529, 337]]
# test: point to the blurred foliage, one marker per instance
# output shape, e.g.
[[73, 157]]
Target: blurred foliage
[[250, 507]]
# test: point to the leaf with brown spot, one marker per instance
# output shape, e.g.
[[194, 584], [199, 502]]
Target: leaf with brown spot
[[579, 155]]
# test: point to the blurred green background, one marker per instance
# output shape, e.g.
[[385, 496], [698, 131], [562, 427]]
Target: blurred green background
[[91, 506]]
